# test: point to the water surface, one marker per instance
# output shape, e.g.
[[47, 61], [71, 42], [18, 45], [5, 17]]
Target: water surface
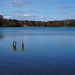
[[47, 51]]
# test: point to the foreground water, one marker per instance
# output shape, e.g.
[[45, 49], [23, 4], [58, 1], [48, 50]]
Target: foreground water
[[47, 51]]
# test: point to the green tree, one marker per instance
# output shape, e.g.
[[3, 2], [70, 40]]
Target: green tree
[[1, 20]]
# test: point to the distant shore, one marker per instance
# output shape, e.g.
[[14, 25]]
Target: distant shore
[[26, 23]]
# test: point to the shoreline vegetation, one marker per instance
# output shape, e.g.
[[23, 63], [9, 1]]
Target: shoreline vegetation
[[26, 23]]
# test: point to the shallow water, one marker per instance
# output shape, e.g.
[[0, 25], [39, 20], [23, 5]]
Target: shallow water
[[47, 51]]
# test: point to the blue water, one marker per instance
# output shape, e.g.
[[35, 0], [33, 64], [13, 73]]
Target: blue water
[[47, 51]]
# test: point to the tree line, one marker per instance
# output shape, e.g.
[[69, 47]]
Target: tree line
[[26, 23]]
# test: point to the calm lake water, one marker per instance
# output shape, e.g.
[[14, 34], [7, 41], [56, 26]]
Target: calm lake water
[[46, 51]]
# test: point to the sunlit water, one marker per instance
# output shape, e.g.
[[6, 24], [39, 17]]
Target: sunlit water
[[46, 51]]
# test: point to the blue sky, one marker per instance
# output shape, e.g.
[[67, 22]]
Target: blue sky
[[39, 10]]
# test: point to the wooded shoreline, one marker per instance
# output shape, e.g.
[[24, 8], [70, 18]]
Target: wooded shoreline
[[26, 23]]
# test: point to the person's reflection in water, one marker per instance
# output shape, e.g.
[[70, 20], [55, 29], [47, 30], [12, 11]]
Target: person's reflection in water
[[14, 46], [22, 49], [22, 45], [1, 36], [13, 43]]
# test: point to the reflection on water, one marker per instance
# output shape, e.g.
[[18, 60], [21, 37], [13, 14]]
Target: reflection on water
[[1, 36], [14, 48], [37, 51], [22, 48], [15, 44]]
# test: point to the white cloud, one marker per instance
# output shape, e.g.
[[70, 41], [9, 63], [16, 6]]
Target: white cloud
[[30, 17], [1, 14], [26, 15], [21, 15], [8, 17], [28, 11], [20, 12], [64, 7], [33, 11], [61, 13], [46, 18], [19, 3]]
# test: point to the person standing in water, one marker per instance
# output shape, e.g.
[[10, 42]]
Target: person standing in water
[[14, 45], [22, 45]]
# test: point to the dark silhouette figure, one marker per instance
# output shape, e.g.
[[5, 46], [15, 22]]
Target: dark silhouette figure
[[14, 45], [22, 45], [13, 42]]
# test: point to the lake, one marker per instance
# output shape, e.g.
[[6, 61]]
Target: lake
[[46, 51]]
